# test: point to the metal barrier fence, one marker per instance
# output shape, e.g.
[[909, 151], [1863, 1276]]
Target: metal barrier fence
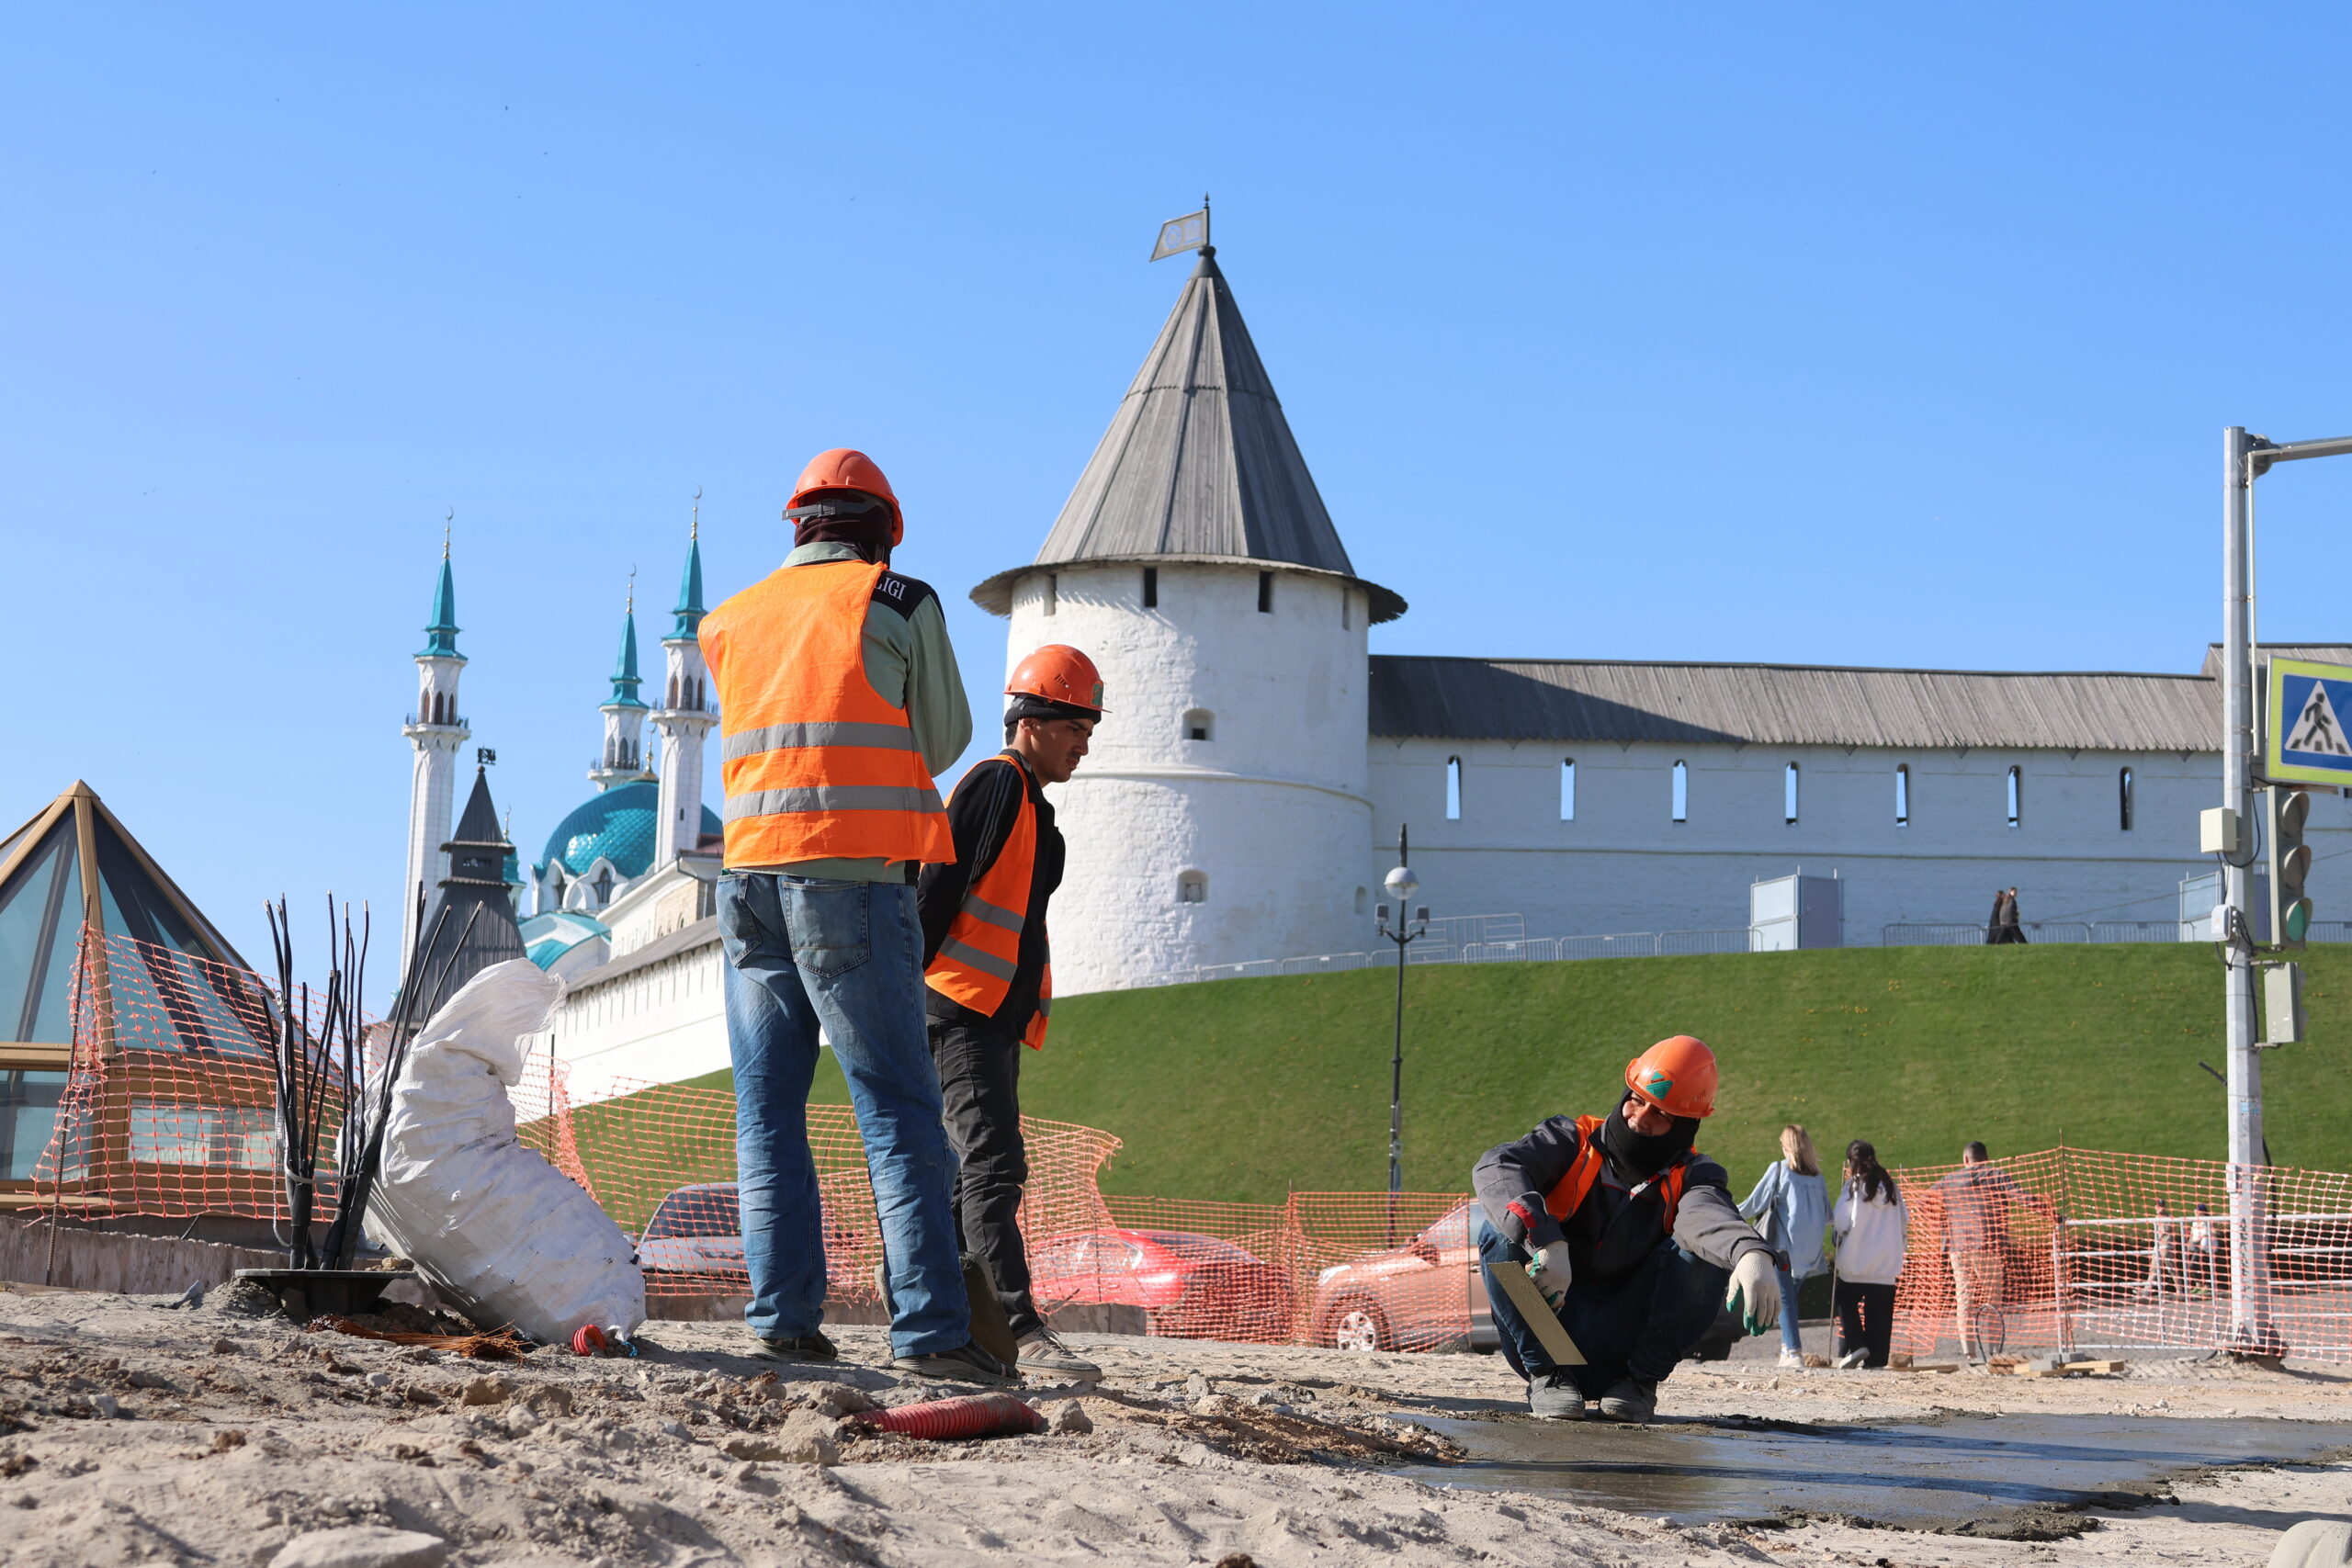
[[1958, 933]]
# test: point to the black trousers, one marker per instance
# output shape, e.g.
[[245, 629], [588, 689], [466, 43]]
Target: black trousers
[[1865, 1319], [980, 1090]]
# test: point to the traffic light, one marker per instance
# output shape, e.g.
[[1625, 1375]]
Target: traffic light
[[2289, 863]]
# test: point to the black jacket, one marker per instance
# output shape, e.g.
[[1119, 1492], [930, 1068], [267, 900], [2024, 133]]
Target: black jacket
[[1612, 1231], [981, 813]]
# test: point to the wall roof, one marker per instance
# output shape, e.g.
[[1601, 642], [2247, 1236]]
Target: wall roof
[[1588, 700]]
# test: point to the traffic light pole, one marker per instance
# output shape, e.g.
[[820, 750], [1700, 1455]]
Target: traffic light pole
[[2246, 458], [2249, 1271]]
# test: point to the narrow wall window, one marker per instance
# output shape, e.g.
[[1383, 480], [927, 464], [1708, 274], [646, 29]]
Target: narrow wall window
[[1200, 724], [1364, 900], [1903, 795], [1454, 789], [2123, 798], [1569, 790], [2017, 795], [1265, 592], [1151, 587], [1193, 888], [1346, 610], [1789, 794], [1681, 801], [1053, 593]]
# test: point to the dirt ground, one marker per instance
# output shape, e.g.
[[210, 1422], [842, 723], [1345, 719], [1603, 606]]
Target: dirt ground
[[132, 1434]]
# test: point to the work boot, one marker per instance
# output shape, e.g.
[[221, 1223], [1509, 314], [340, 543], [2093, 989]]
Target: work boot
[[1041, 1351], [1554, 1397], [965, 1363], [1628, 1400], [810, 1346]]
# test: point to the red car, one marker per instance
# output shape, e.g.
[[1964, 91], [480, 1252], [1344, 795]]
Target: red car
[[1194, 1287], [1423, 1295]]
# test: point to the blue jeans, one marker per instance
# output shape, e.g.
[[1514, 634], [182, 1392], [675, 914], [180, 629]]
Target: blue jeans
[[1792, 1336], [1637, 1326], [847, 955]]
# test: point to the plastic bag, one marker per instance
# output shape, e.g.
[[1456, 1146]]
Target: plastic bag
[[502, 1234]]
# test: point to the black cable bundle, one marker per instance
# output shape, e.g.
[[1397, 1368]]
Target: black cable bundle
[[312, 1071]]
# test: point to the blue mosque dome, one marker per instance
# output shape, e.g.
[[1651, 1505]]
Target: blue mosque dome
[[618, 825]]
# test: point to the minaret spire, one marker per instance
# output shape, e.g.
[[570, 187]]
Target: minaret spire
[[623, 761], [436, 733], [685, 718]]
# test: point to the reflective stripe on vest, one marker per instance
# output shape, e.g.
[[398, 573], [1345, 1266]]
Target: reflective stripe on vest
[[815, 763], [1568, 1195], [982, 952]]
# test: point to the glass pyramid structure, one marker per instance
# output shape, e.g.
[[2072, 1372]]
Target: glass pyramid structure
[[177, 988]]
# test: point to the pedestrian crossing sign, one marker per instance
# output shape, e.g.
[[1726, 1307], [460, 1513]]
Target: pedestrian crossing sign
[[2309, 704]]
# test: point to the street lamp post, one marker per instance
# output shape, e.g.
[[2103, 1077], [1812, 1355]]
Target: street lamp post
[[1400, 885]]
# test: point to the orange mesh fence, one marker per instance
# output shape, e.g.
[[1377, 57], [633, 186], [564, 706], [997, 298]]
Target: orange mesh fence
[[2079, 1249], [660, 1158], [1388, 1272], [169, 1107], [1200, 1270]]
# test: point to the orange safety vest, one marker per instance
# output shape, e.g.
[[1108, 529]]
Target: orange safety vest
[[817, 764], [982, 948], [1569, 1194]]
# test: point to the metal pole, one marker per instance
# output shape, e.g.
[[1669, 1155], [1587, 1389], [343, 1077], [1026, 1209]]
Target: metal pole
[[2249, 1265], [1396, 1081]]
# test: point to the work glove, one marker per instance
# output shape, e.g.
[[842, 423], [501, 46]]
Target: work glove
[[1755, 1293], [1550, 1271]]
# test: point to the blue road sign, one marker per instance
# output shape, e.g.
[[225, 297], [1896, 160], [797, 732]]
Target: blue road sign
[[2309, 704]]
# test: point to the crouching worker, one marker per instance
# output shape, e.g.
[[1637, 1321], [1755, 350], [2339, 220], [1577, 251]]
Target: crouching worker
[[1629, 1232]]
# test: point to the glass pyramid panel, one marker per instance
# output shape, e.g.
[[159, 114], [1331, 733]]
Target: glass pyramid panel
[[187, 1003], [40, 925]]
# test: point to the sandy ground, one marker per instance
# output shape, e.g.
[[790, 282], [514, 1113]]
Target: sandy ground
[[133, 1434]]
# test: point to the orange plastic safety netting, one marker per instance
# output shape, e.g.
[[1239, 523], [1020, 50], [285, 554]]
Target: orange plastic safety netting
[[168, 1109], [660, 1158], [2079, 1249]]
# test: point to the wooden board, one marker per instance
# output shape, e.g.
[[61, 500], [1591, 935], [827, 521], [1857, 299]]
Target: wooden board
[[1539, 1314]]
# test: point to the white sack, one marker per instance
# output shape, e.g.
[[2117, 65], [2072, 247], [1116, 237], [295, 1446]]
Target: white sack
[[497, 1229]]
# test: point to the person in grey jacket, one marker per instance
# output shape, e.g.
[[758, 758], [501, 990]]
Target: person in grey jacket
[[1629, 1232], [1791, 1205]]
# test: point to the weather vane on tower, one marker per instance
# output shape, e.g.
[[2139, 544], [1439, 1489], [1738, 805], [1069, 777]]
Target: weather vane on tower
[[1190, 233]]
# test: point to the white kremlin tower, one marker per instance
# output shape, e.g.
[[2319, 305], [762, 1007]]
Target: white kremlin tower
[[437, 731], [1224, 813]]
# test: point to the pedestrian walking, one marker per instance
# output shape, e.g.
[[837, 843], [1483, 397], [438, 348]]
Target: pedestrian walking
[[2205, 1250], [1871, 1227], [990, 972], [2005, 913], [1999, 917], [839, 701], [1628, 1233], [1975, 1204], [1790, 1206]]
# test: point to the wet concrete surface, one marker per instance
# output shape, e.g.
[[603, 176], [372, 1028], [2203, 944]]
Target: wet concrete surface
[[2017, 1476]]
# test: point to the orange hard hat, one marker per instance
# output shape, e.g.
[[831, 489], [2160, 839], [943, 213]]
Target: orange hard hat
[[1677, 1075], [1058, 674], [846, 468]]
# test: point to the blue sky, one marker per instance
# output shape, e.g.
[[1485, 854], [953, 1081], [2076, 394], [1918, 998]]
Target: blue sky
[[1839, 334]]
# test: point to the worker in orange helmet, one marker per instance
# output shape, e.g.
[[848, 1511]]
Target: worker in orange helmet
[[1629, 1232], [989, 973], [839, 701]]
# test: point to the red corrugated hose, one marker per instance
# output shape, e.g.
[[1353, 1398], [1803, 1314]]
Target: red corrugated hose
[[968, 1415]]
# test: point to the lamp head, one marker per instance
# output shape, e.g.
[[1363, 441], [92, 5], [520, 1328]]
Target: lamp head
[[1402, 884]]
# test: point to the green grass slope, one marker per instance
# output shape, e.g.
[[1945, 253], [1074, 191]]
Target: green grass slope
[[1248, 1089]]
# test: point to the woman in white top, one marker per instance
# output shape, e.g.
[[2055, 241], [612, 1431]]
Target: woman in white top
[[1869, 1222]]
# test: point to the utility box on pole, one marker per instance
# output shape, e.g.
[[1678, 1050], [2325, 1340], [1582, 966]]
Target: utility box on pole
[[1800, 911]]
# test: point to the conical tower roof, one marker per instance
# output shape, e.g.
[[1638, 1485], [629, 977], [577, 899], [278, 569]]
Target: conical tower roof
[[472, 923], [1198, 465]]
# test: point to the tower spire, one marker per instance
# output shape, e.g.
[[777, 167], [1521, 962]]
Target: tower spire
[[434, 732], [690, 611], [623, 761], [685, 718]]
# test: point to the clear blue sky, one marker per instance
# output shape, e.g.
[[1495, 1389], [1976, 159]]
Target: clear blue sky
[[1841, 334]]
